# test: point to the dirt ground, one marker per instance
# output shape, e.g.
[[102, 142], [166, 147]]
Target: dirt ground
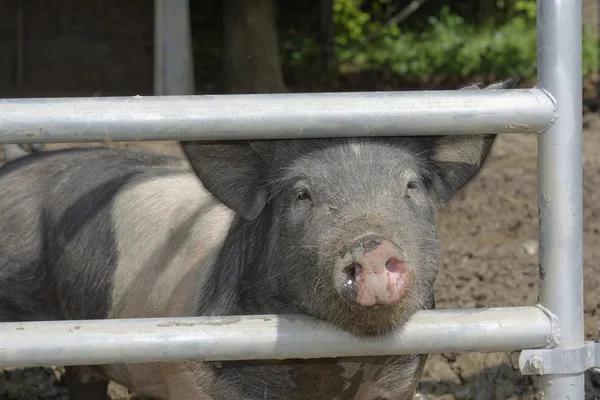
[[489, 237]]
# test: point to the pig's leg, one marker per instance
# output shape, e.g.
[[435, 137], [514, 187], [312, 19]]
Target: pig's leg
[[182, 383], [85, 384], [397, 380]]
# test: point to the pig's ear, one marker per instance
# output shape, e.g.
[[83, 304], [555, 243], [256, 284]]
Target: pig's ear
[[231, 171], [458, 159]]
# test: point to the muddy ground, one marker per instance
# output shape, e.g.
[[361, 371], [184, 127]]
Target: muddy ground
[[490, 259]]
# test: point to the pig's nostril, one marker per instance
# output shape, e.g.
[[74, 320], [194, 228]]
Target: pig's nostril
[[357, 269], [353, 270], [392, 265]]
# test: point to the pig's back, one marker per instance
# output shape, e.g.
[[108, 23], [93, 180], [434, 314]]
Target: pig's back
[[86, 231]]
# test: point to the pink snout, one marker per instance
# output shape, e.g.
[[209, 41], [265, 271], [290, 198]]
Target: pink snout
[[373, 272]]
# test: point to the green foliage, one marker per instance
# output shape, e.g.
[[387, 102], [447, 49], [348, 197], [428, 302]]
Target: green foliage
[[517, 8], [300, 54], [446, 44], [590, 52]]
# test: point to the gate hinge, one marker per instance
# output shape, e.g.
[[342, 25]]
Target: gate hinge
[[560, 361]]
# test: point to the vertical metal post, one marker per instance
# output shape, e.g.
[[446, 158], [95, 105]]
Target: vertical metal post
[[173, 58], [560, 184]]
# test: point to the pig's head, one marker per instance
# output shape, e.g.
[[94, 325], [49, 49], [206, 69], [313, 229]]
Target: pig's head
[[352, 237]]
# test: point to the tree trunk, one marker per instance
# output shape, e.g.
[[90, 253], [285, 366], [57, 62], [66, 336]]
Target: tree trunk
[[326, 33], [485, 10], [251, 61]]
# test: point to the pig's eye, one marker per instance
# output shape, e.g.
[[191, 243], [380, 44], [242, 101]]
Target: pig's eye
[[302, 195], [412, 185]]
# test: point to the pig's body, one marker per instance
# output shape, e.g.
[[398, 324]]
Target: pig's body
[[87, 247], [341, 229], [117, 234]]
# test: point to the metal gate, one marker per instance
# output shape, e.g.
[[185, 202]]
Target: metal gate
[[550, 333]]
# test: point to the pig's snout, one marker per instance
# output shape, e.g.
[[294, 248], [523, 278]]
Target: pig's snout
[[372, 271]]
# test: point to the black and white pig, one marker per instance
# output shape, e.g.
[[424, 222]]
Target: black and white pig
[[340, 229]]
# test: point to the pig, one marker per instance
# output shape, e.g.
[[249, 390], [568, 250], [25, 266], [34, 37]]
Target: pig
[[339, 229]]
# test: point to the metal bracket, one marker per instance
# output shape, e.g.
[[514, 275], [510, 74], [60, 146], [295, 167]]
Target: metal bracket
[[560, 361]]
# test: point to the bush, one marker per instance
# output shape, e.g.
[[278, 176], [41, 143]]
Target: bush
[[446, 44]]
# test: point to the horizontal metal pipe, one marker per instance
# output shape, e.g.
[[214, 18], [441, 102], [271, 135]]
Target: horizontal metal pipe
[[263, 337], [274, 116]]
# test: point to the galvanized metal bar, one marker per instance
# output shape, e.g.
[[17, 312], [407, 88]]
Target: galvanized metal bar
[[275, 116], [173, 61], [560, 185], [263, 337]]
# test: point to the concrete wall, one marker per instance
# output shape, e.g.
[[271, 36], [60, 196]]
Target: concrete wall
[[79, 47]]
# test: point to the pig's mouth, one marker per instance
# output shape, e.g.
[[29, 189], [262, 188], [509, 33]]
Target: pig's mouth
[[373, 279], [377, 319], [373, 286]]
